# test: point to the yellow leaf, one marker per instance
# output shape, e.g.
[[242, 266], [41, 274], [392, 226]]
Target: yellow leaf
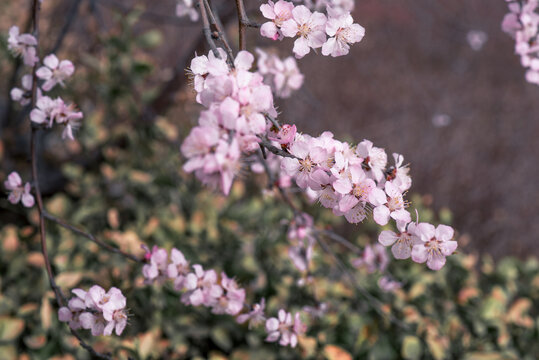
[[333, 352]]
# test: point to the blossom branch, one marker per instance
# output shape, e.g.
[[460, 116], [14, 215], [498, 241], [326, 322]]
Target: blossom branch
[[60, 299], [91, 237], [206, 28], [376, 304], [216, 22]]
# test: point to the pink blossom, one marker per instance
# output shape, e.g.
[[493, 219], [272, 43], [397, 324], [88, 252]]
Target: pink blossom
[[282, 75], [256, 316], [342, 33], [285, 135], [278, 13], [402, 242], [232, 299], [96, 310], [23, 96], [309, 27], [43, 113], [67, 116], [433, 244], [18, 192], [305, 167], [388, 204], [202, 288], [23, 45], [54, 72], [157, 269], [284, 328]]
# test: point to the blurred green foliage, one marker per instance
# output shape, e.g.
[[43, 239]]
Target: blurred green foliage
[[123, 182]]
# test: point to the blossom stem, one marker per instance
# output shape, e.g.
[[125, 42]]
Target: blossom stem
[[90, 237], [60, 299], [206, 28], [242, 17], [215, 21]]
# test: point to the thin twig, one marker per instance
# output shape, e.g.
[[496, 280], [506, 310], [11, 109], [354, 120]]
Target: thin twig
[[206, 28], [240, 6], [90, 237], [216, 22], [267, 144], [376, 304], [341, 240], [60, 299], [72, 14]]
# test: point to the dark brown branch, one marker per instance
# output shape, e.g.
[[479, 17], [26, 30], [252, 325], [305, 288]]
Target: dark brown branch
[[206, 28], [91, 237], [280, 152], [216, 22], [60, 299], [240, 7]]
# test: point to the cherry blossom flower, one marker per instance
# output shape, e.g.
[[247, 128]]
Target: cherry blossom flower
[[43, 113], [18, 192], [402, 242], [375, 158], [178, 268], [256, 316], [24, 96], [284, 328], [202, 287], [305, 166], [232, 299], [309, 27], [23, 45], [278, 13], [388, 204], [54, 72], [285, 135], [67, 116], [157, 269], [96, 310], [433, 244], [283, 76], [342, 33]]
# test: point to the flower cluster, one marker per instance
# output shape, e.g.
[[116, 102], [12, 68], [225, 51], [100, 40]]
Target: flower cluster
[[18, 191], [48, 111], [237, 101], [96, 310], [221, 293], [333, 33], [283, 76], [354, 180], [522, 23], [422, 241]]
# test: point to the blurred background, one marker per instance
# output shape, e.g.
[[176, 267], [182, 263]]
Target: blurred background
[[436, 81]]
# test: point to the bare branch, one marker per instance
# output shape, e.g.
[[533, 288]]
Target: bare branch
[[91, 237]]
